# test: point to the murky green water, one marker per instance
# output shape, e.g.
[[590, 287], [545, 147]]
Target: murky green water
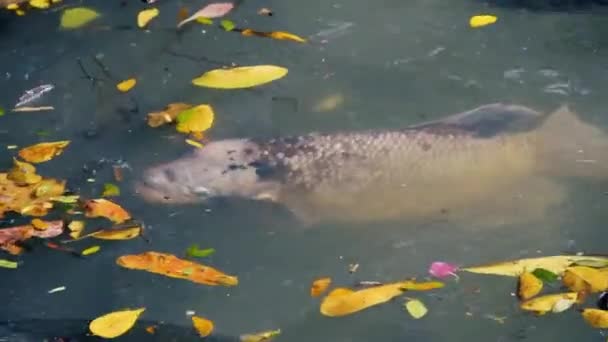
[[395, 63]]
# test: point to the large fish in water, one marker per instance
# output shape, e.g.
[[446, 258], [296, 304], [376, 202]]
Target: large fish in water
[[494, 158]]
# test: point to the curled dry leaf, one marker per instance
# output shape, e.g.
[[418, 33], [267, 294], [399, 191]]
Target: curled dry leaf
[[104, 208], [343, 301], [115, 324], [596, 318], [583, 278], [10, 236], [43, 152], [195, 120], [126, 85], [168, 115], [556, 264], [174, 267], [529, 286], [554, 302], [319, 286], [203, 326], [240, 77], [144, 17], [260, 336]]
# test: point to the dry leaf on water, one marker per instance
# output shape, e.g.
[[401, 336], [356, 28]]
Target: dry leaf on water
[[144, 17], [117, 234], [596, 318], [110, 190], [416, 308], [319, 286], [240, 77], [115, 324], [556, 264], [555, 303], [28, 199], [168, 115], [583, 278], [90, 250], [195, 120], [8, 264], [482, 20], [529, 286], [343, 301], [174, 267], [203, 326], [76, 17], [104, 208], [126, 85], [43, 152], [10, 236], [23, 173], [260, 336], [208, 12]]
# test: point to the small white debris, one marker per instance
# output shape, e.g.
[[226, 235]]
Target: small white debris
[[57, 289], [190, 313]]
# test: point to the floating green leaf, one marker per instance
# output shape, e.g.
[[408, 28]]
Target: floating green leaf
[[545, 275], [8, 264], [2, 111], [416, 308], [194, 252], [91, 250], [110, 189], [227, 25], [77, 17], [205, 21]]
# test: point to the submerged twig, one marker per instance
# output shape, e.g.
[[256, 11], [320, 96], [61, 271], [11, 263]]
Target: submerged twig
[[33, 109]]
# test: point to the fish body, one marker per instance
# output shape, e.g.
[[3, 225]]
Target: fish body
[[458, 164]]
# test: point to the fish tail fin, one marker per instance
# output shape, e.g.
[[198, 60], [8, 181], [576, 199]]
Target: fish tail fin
[[570, 147]]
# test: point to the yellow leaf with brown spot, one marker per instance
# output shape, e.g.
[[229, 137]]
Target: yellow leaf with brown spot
[[281, 35], [144, 17], [529, 286], [319, 286], [126, 85], [115, 324], [195, 120], [43, 152], [117, 234], [544, 304], [104, 208], [174, 267], [240, 77], [555, 264], [203, 326], [168, 115], [583, 278], [596, 318]]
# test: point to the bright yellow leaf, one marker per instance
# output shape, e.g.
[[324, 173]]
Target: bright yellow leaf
[[529, 286], [20, 12], [281, 35], [240, 77], [556, 264], [43, 151], [12, 6], [555, 302], [126, 85], [416, 308], [23, 173], [76, 228], [596, 318], [203, 326], [194, 143], [42, 4], [583, 278], [482, 20], [145, 16], [115, 324], [195, 120], [104, 208], [319, 286], [77, 17], [110, 190], [39, 224], [168, 115], [91, 250]]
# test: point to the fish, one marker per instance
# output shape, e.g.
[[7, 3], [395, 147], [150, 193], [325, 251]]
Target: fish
[[496, 158]]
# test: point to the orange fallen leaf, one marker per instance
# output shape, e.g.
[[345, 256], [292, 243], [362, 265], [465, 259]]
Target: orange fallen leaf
[[281, 35], [104, 208], [174, 267], [168, 115], [38, 224], [203, 326], [28, 199], [151, 329], [319, 286], [43, 152], [23, 173]]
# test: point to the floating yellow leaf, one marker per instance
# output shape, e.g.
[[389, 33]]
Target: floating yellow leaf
[[240, 77], [583, 278], [286, 36], [203, 326], [23, 173], [76, 228], [117, 234], [126, 85], [104, 208], [8, 264], [416, 308], [482, 20], [329, 103], [43, 152], [12, 6], [260, 336], [529, 286], [194, 143], [145, 16], [115, 324], [110, 190], [90, 250], [39, 224], [556, 264], [555, 302], [41, 4], [340, 302], [169, 114], [195, 120], [174, 267], [596, 318], [28, 199], [77, 17], [319, 286], [20, 12]]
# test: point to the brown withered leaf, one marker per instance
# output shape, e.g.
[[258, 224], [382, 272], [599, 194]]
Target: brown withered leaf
[[10, 236], [104, 208], [168, 115]]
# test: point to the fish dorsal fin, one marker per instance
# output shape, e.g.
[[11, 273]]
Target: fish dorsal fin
[[489, 120]]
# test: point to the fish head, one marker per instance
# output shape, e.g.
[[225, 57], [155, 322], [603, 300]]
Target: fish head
[[224, 168]]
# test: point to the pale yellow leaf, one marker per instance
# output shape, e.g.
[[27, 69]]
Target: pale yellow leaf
[[596, 318], [195, 120], [77, 17], [240, 77], [145, 16], [115, 324], [416, 308], [554, 302], [556, 264]]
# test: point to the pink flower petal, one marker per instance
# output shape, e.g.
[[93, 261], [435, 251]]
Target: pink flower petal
[[210, 11], [440, 269]]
